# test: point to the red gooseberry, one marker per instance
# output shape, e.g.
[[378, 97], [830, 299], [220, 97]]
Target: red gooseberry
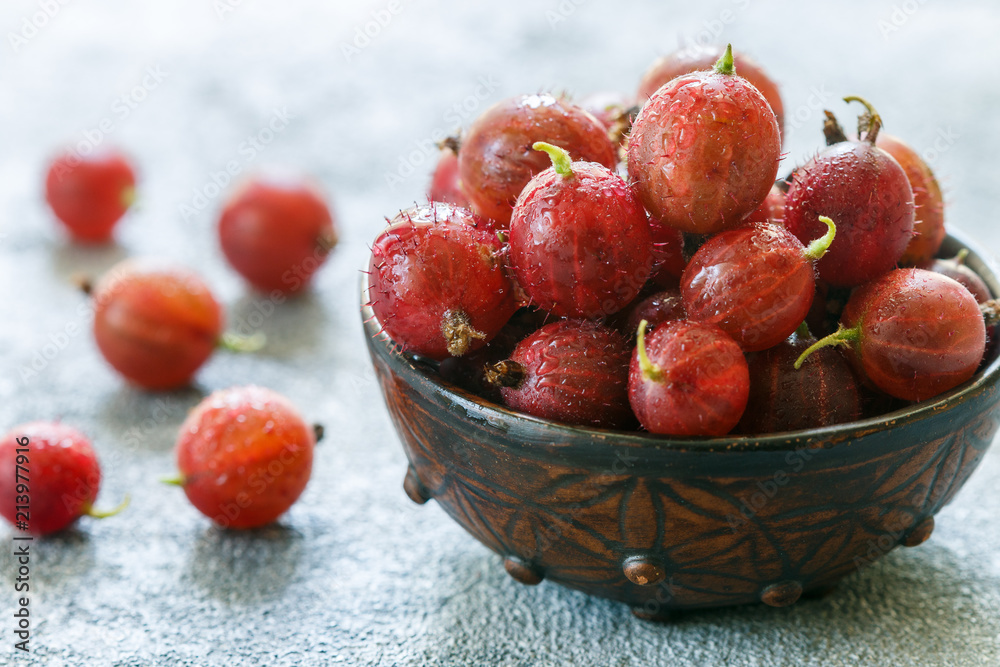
[[913, 333], [956, 269], [755, 283], [704, 150], [579, 239], [865, 190], [446, 185], [438, 281], [157, 325], [694, 59], [89, 194], [572, 371], [822, 393], [692, 381], [49, 477], [277, 233], [244, 456], [496, 159], [928, 202]]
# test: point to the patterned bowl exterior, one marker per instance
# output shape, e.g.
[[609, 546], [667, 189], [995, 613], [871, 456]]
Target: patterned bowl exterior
[[667, 524]]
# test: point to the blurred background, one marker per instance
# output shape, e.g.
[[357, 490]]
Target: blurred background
[[356, 94]]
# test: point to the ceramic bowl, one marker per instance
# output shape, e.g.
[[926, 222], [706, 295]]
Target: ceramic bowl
[[665, 524]]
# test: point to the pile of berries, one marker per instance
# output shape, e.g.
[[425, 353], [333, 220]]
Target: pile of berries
[[644, 267]]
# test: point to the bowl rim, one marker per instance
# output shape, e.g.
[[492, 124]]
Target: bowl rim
[[484, 410]]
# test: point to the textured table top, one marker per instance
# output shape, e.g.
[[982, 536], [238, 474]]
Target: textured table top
[[355, 573]]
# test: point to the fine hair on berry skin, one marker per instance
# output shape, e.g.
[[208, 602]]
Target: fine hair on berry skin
[[823, 392], [704, 150], [496, 159], [696, 58], [867, 192], [756, 282], [580, 243], [572, 371], [438, 281], [688, 379], [913, 333]]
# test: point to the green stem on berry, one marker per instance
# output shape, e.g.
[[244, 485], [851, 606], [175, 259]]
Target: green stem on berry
[[832, 130], [104, 514], [869, 123], [841, 336], [991, 312], [726, 64], [507, 373], [650, 371], [318, 432], [176, 480], [458, 332], [803, 330], [960, 257], [562, 163], [818, 248], [237, 343]]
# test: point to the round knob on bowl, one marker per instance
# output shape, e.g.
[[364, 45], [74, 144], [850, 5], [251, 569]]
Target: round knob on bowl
[[522, 571], [920, 533], [781, 594], [414, 488], [643, 571]]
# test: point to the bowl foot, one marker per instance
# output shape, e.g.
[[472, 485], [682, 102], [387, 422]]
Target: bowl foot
[[522, 571], [781, 594], [414, 488], [920, 533], [643, 571]]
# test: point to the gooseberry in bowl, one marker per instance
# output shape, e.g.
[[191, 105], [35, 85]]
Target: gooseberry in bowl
[[669, 523]]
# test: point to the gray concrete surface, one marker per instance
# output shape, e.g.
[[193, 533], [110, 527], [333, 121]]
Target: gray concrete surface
[[355, 574]]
